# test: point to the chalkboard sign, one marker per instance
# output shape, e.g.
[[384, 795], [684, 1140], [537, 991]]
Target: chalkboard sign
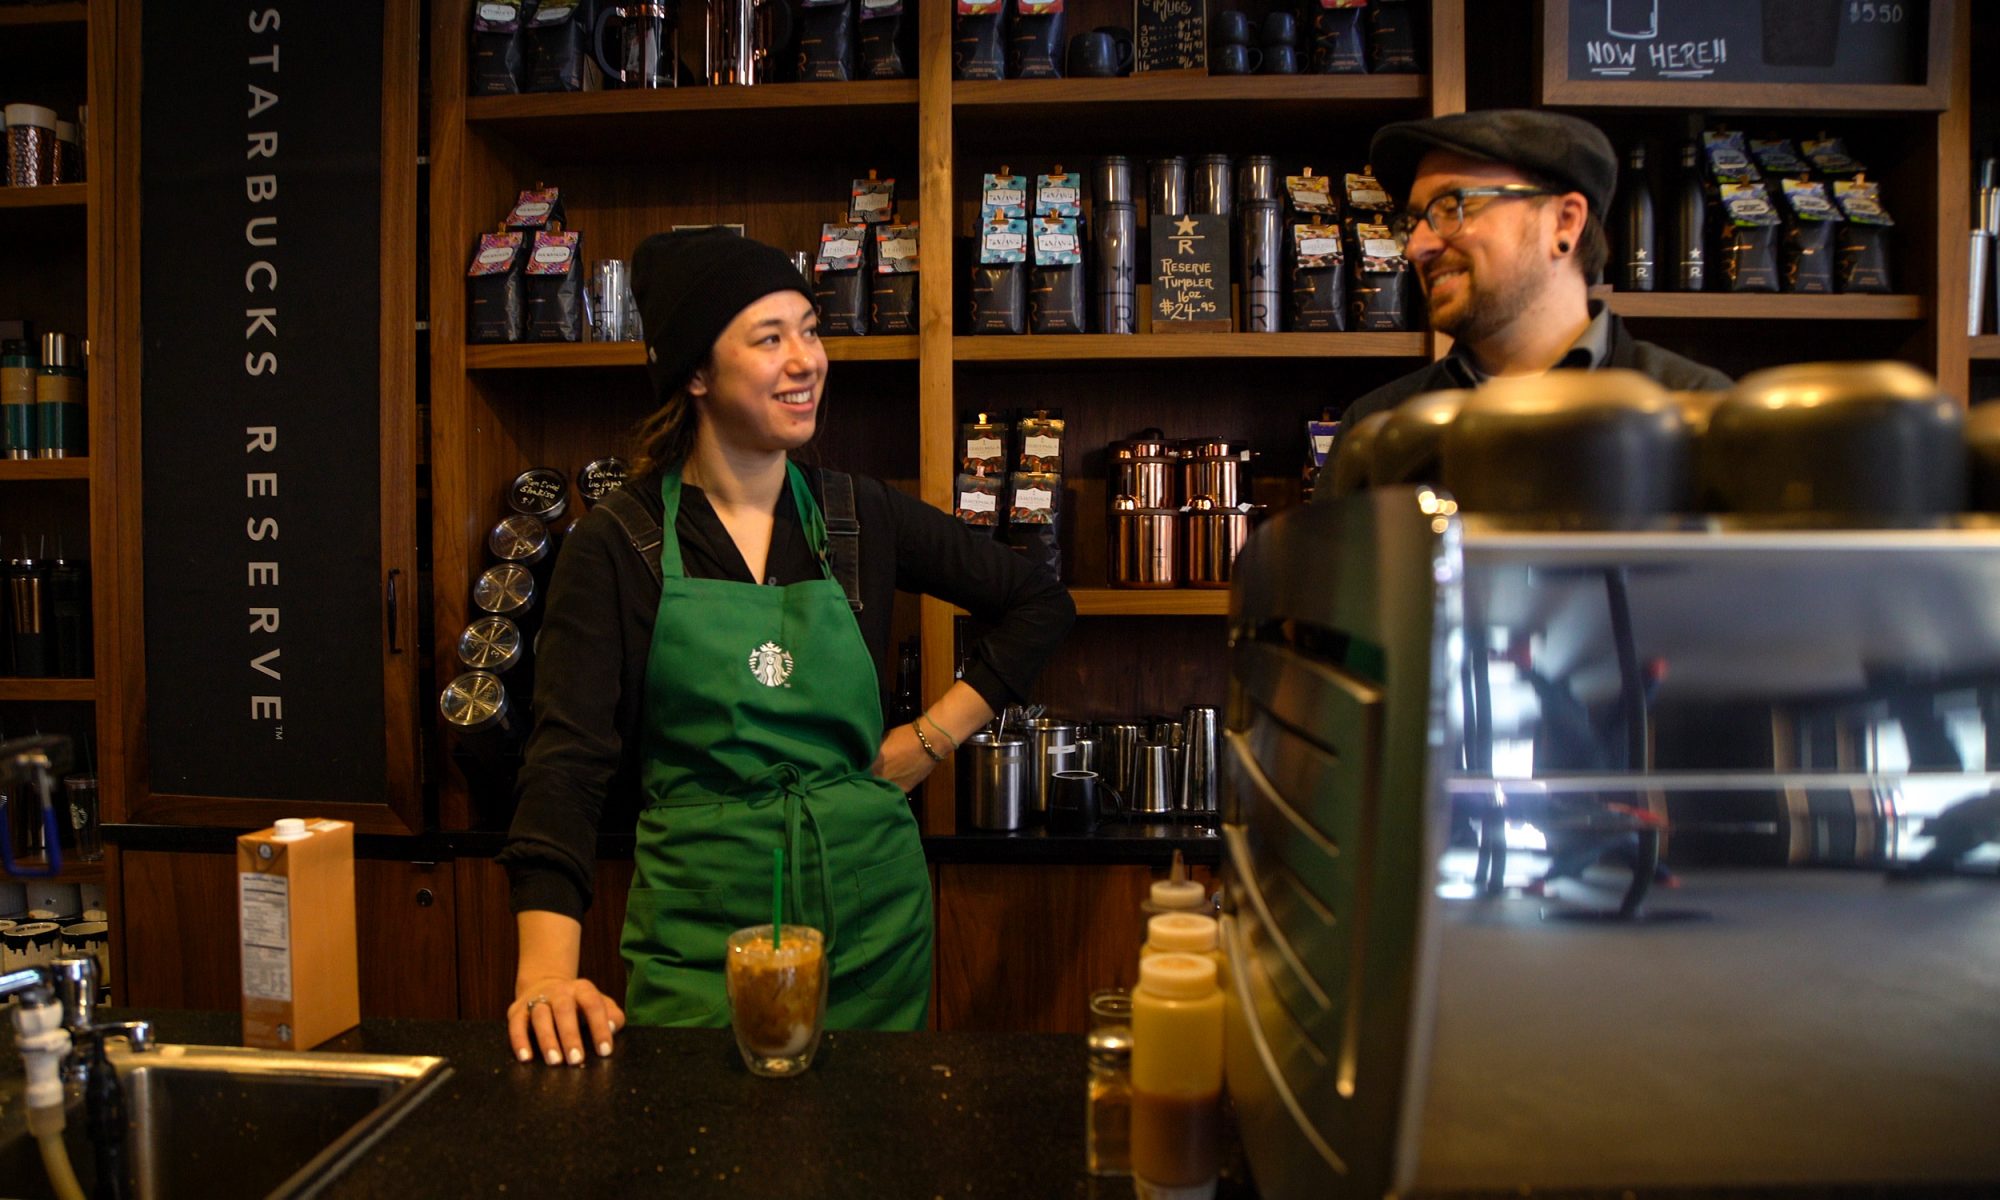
[[1191, 274], [1170, 35], [1742, 41]]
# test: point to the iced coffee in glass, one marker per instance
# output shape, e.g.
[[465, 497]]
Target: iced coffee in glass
[[777, 997]]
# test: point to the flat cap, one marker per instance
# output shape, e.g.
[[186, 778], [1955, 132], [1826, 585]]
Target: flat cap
[[1564, 149]]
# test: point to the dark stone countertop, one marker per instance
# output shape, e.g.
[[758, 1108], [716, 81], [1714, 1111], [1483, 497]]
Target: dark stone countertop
[[1115, 843], [674, 1112]]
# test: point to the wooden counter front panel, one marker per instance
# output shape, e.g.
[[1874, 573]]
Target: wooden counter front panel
[[1023, 947], [181, 948]]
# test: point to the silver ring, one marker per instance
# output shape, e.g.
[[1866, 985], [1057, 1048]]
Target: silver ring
[[534, 1000]]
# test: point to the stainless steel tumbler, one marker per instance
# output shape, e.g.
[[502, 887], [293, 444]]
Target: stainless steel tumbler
[[1260, 233], [1211, 189], [1166, 192], [1114, 239]]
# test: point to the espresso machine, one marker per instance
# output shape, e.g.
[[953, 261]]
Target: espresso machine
[[1604, 834]]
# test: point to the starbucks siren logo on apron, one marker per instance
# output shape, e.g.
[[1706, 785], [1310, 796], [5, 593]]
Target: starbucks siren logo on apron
[[771, 664]]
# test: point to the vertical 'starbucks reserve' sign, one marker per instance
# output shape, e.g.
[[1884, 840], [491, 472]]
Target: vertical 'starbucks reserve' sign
[[260, 209]]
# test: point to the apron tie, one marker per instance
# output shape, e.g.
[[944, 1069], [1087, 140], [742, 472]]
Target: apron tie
[[784, 780]]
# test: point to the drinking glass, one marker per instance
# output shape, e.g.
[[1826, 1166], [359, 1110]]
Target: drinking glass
[[777, 997], [82, 790]]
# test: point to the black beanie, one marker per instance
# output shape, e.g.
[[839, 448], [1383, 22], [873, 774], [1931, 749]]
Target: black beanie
[[690, 284]]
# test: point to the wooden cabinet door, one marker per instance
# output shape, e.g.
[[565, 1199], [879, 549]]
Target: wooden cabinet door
[[1023, 947], [181, 947]]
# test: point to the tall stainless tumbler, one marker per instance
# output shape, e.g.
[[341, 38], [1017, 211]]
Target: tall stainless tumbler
[[1166, 191], [1114, 241], [1201, 744], [1211, 189], [1260, 234], [1256, 179]]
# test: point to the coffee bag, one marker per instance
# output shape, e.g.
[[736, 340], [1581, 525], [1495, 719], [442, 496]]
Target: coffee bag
[[826, 41], [893, 307], [840, 280], [493, 288], [554, 280]]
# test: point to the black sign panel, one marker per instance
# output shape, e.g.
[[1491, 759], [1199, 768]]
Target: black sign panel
[[260, 193], [1170, 35], [1191, 274], [1748, 41]]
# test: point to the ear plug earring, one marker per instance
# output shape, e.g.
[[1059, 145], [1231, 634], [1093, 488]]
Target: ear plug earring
[[1562, 247]]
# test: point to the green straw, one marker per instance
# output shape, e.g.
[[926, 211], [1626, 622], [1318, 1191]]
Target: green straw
[[777, 895]]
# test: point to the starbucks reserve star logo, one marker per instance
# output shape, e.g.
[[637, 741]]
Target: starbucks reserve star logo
[[771, 664]]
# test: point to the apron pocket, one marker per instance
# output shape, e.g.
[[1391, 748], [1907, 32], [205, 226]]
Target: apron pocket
[[673, 944], [889, 927]]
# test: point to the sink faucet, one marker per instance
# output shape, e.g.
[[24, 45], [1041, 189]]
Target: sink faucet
[[72, 983]]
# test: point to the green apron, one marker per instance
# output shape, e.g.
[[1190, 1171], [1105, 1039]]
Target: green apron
[[762, 717]]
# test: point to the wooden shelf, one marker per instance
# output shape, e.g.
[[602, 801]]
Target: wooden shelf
[[54, 195], [1100, 347], [1151, 602], [1984, 348], [715, 121], [548, 356], [1762, 306], [44, 14], [24, 469], [1171, 111], [72, 872], [16, 688]]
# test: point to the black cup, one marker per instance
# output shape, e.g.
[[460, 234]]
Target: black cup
[[1237, 60], [1280, 60], [1099, 56], [1078, 800], [1232, 28], [1280, 29]]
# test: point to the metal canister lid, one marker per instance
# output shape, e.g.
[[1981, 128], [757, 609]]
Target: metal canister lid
[[1111, 180], [473, 702], [519, 538], [1211, 448], [491, 643], [504, 588], [599, 478], [56, 350], [539, 492]]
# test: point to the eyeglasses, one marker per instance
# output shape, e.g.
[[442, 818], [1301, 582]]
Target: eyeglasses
[[1447, 211]]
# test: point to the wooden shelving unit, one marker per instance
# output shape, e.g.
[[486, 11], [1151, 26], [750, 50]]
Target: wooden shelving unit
[[1164, 602], [48, 690], [72, 872], [546, 357], [25, 15], [54, 195], [1985, 348], [27, 469], [1108, 347], [1761, 306]]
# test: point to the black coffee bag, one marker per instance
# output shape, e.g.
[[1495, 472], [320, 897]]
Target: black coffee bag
[[1810, 224], [1035, 42], [978, 39], [1056, 296], [1338, 45], [1748, 239], [826, 41], [537, 209], [1861, 261], [1382, 296], [499, 58], [1000, 280], [840, 281], [1319, 280], [882, 49], [557, 46], [893, 302], [493, 288], [554, 283], [1392, 38]]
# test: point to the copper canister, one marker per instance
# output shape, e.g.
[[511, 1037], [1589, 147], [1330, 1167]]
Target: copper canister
[[1143, 468], [1213, 467], [1215, 535], [1144, 542]]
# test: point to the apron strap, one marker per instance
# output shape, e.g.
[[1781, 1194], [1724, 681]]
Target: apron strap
[[640, 528], [787, 782], [843, 533]]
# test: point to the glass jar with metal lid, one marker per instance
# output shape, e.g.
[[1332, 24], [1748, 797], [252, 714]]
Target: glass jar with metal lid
[[519, 538], [476, 702], [505, 588], [492, 643], [540, 492]]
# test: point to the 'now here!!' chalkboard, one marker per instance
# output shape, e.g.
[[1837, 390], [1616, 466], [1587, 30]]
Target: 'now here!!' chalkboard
[[1747, 41]]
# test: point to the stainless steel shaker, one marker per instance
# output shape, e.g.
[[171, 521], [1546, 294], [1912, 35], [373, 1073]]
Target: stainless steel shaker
[[1118, 753], [1260, 233], [1201, 727], [1153, 779], [993, 781], [1051, 748]]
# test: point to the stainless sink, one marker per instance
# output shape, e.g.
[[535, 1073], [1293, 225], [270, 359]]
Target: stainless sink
[[220, 1121]]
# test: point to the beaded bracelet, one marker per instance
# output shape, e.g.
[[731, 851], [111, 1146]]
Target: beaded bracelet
[[942, 732], [926, 744]]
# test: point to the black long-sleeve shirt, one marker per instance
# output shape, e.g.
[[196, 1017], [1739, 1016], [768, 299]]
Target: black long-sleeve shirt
[[590, 657]]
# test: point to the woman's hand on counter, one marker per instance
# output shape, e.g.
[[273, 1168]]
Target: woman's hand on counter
[[549, 1009]]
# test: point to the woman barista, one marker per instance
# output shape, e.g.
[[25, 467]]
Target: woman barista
[[724, 674]]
